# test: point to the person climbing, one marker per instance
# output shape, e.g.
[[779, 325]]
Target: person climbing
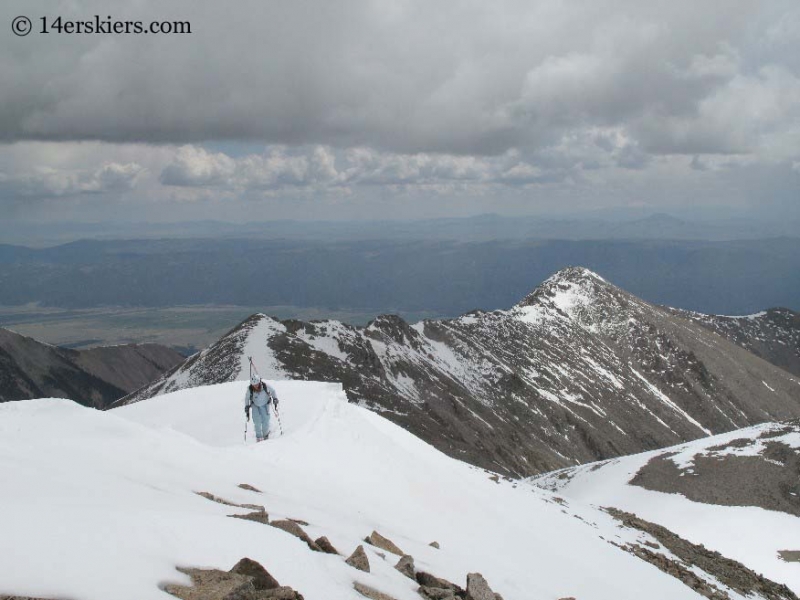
[[259, 396]]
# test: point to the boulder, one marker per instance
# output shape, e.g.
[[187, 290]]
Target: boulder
[[434, 545], [478, 588], [249, 488], [262, 580], [376, 539], [434, 593], [431, 581], [212, 584], [371, 593], [325, 545], [358, 560], [258, 517], [406, 566], [293, 528]]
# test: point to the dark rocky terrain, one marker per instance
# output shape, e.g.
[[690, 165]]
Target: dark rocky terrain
[[94, 377], [761, 470], [578, 371], [773, 334]]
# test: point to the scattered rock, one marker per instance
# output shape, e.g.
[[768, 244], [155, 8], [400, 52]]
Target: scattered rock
[[495, 478], [325, 545], [245, 581], [406, 566], [376, 539], [258, 517], [358, 560], [262, 580], [790, 555], [728, 572], [219, 500], [431, 581], [213, 584], [434, 545], [250, 488], [369, 592], [293, 528], [478, 588], [434, 593]]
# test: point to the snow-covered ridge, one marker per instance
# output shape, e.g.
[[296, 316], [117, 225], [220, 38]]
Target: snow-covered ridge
[[578, 371], [736, 493], [89, 479]]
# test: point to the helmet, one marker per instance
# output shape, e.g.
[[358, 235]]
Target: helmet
[[255, 380]]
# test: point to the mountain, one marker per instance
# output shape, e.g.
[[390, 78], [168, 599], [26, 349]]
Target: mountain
[[578, 371], [773, 334], [723, 492], [94, 377], [166, 475]]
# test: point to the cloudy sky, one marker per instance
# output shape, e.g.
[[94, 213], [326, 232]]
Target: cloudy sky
[[401, 109]]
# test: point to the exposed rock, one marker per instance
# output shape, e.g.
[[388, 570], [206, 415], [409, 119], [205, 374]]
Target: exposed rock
[[504, 421], [427, 580], [766, 476], [262, 580], [406, 566], [358, 560], [218, 500], [729, 572], [293, 528], [213, 584], [435, 593], [376, 539], [249, 488], [258, 517], [478, 588], [434, 545], [281, 593], [325, 545], [248, 580], [371, 593], [790, 555], [299, 522]]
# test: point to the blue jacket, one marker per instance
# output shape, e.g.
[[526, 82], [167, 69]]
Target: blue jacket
[[261, 397]]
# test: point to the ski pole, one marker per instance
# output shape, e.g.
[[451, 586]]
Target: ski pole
[[277, 414]]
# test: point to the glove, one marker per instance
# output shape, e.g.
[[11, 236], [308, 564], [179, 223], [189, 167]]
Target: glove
[[247, 412]]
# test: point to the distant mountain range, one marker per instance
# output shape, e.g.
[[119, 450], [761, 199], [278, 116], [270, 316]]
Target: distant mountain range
[[94, 377], [411, 275], [579, 370]]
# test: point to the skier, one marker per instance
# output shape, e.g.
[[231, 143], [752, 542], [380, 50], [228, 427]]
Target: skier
[[259, 396]]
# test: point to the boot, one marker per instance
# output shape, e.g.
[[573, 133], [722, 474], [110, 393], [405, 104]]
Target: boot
[[259, 439]]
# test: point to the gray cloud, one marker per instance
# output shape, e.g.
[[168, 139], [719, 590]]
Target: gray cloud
[[515, 104], [53, 183], [471, 78]]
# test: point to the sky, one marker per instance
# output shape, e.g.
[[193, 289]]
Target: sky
[[401, 109]]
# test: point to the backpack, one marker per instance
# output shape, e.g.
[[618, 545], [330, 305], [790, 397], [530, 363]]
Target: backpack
[[266, 389]]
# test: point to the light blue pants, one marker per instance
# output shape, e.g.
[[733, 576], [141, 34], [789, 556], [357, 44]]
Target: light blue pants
[[261, 420]]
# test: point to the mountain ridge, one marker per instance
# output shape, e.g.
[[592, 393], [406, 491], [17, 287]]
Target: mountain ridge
[[578, 370], [94, 377]]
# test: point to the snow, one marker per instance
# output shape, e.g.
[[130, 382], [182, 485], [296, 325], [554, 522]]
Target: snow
[[751, 535], [106, 500], [257, 346], [665, 399]]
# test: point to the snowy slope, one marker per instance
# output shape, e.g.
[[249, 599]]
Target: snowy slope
[[579, 370], [731, 477], [100, 505]]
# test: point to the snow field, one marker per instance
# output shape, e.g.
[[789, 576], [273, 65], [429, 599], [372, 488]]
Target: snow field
[[105, 501]]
